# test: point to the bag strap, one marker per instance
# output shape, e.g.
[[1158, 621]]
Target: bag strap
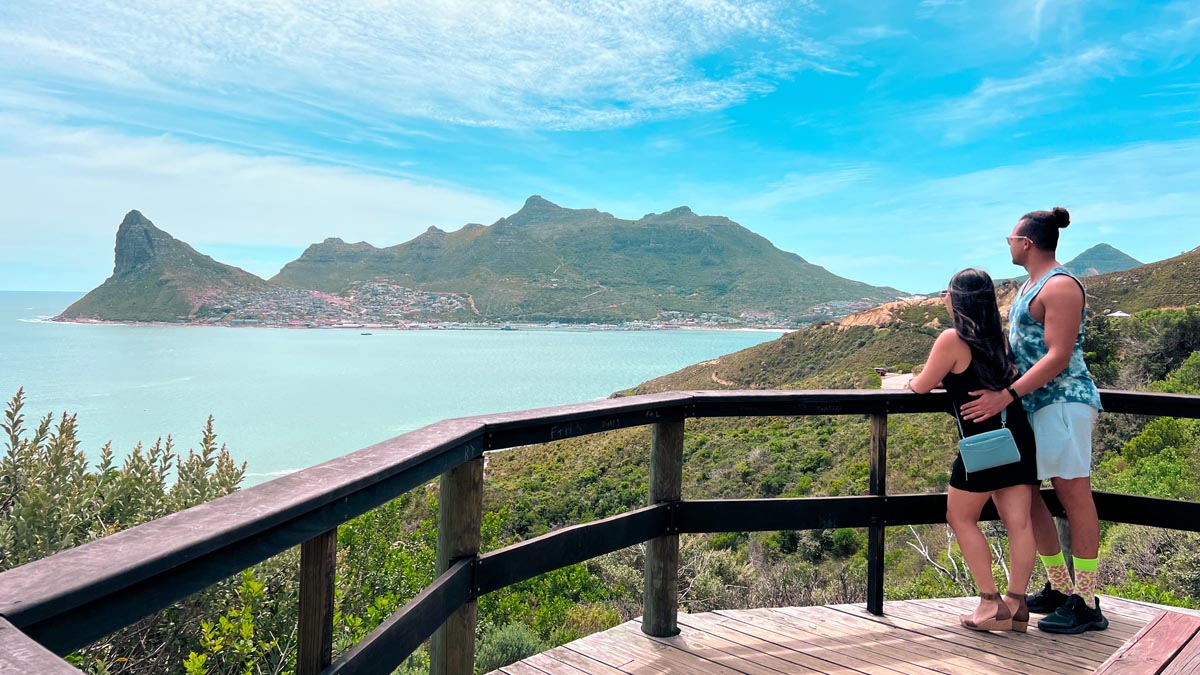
[[1003, 419]]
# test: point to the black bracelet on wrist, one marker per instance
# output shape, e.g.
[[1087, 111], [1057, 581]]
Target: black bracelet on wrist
[[1012, 392]]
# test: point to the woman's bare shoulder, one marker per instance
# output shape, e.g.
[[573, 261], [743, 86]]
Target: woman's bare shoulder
[[949, 336]]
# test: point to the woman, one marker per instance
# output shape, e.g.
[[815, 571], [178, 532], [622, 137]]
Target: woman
[[969, 357]]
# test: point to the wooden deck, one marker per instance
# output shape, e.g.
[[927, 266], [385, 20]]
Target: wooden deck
[[914, 637]]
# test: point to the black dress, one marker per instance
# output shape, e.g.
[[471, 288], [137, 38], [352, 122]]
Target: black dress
[[1023, 472]]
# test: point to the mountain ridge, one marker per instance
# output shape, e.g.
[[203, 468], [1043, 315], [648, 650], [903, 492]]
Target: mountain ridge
[[542, 263], [548, 259]]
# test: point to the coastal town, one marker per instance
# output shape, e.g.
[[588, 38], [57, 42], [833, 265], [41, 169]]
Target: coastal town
[[382, 305], [361, 304]]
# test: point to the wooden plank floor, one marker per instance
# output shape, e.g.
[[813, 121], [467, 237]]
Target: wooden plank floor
[[914, 637]]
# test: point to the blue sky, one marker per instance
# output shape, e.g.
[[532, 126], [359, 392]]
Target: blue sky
[[891, 142]]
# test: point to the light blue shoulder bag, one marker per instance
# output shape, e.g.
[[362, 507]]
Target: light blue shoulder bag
[[988, 449]]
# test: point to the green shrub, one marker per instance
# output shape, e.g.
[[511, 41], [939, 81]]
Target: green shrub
[[1135, 588], [846, 542], [507, 644]]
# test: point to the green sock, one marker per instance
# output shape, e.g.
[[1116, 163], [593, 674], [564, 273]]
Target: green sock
[[1056, 572], [1085, 578]]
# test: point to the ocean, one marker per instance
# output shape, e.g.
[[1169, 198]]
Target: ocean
[[285, 399]]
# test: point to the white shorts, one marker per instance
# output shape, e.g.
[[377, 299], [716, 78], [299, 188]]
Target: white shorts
[[1063, 432]]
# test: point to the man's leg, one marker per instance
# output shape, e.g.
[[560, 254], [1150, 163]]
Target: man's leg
[[1081, 611], [1045, 534], [1064, 438], [1075, 494]]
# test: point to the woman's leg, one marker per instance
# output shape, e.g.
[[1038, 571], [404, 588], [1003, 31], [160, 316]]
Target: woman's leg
[[1013, 504], [962, 513]]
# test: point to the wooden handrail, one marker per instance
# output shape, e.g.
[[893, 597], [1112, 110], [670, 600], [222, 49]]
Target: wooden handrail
[[72, 598]]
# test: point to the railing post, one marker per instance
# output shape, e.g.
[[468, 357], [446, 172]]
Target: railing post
[[317, 559], [875, 533], [661, 594], [460, 515]]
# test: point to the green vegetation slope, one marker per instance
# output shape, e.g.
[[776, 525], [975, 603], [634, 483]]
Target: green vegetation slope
[[819, 357], [1174, 282]]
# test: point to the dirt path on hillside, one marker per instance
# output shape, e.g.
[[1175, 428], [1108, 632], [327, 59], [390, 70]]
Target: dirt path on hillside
[[721, 381]]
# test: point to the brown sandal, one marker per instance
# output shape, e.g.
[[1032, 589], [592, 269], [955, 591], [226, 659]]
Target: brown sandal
[[1020, 616], [1001, 620]]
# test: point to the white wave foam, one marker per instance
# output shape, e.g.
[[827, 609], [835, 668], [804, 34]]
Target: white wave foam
[[271, 474]]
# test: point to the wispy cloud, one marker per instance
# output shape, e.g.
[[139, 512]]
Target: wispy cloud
[[866, 34], [1036, 29], [66, 189], [508, 63], [801, 186], [927, 7], [1174, 90], [1176, 41], [1162, 38], [1049, 87], [915, 231]]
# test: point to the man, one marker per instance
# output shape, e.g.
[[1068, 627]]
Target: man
[[1046, 338]]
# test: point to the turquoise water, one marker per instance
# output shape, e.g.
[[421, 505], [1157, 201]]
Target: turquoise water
[[287, 399]]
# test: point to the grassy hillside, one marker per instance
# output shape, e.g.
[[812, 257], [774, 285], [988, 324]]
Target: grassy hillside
[[1174, 282], [830, 355]]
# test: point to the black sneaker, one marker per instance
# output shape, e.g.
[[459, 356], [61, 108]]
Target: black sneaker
[[1074, 617], [1046, 600]]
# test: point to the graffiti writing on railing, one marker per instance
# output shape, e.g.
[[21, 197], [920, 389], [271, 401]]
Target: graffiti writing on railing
[[565, 430]]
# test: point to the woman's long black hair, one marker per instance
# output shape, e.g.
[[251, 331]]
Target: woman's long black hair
[[977, 322]]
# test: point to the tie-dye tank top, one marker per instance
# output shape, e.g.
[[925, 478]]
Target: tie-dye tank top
[[1027, 338]]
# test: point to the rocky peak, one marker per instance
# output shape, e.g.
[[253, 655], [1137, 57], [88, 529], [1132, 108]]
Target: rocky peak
[[673, 214], [536, 202], [138, 243], [335, 248], [135, 218], [536, 210], [434, 237]]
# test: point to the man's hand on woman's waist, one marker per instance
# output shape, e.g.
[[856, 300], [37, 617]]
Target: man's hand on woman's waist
[[989, 404]]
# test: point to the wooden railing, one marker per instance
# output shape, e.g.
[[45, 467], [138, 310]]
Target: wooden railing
[[56, 605]]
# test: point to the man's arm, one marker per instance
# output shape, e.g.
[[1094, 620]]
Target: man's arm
[[1062, 300]]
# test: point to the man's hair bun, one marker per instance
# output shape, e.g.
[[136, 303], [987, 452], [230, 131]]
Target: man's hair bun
[[1059, 217]]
